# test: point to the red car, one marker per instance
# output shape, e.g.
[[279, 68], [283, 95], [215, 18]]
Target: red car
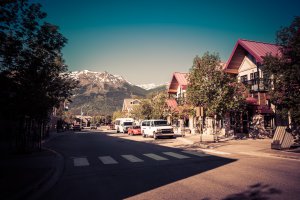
[[134, 130]]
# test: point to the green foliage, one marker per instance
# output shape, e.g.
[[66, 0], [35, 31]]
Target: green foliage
[[211, 88], [159, 106], [31, 61], [285, 71], [143, 110], [118, 114], [154, 108], [33, 76]]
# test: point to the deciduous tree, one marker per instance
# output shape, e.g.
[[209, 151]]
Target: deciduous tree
[[34, 77], [285, 71], [211, 88]]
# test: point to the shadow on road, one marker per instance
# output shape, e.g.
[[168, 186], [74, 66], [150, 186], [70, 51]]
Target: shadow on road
[[257, 191], [125, 179]]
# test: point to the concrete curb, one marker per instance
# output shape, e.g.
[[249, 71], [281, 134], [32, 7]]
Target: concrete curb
[[51, 179], [258, 153], [35, 190]]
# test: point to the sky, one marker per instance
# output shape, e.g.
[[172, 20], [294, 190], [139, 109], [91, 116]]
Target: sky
[[145, 41]]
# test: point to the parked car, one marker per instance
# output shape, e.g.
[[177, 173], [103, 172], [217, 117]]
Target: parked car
[[134, 130], [156, 128], [93, 126], [76, 128], [122, 124]]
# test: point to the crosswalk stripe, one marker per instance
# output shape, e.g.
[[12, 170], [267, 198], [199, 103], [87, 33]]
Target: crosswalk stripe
[[155, 157], [132, 158], [79, 162], [107, 160], [176, 155], [195, 153]]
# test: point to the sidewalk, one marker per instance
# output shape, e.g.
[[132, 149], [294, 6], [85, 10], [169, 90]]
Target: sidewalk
[[257, 147], [28, 176]]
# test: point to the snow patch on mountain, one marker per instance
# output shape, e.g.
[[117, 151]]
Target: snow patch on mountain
[[150, 86], [98, 77]]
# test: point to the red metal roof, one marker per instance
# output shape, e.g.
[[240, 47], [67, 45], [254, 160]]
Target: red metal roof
[[265, 110], [257, 49], [179, 79], [260, 49], [172, 103], [251, 100]]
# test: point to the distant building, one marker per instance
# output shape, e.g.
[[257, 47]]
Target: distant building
[[177, 97], [128, 105], [82, 120], [178, 86]]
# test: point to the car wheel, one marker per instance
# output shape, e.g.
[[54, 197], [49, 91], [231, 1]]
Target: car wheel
[[154, 136], [118, 130]]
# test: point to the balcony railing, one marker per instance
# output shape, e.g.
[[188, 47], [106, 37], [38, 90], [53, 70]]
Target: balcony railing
[[258, 84], [180, 101]]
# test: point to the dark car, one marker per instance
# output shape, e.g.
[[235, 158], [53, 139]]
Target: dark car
[[76, 128]]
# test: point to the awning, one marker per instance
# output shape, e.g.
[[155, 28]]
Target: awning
[[251, 100], [172, 103], [265, 110]]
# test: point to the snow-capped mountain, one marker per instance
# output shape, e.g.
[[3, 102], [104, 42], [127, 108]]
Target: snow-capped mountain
[[151, 86], [102, 92], [97, 77]]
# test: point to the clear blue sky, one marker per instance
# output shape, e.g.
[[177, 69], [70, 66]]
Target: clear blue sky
[[145, 41]]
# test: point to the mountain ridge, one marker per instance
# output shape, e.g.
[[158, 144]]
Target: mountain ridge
[[102, 93]]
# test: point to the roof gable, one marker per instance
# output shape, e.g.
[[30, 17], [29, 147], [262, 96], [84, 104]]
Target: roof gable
[[256, 50], [179, 79], [129, 103]]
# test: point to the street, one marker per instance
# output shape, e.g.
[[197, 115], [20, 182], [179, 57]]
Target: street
[[100, 165]]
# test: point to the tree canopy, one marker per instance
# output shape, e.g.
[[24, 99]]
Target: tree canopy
[[33, 76], [285, 71], [32, 70], [211, 88]]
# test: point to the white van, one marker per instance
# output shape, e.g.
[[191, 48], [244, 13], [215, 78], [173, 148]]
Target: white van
[[156, 128], [122, 124]]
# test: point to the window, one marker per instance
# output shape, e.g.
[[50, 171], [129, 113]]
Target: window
[[127, 123], [160, 123], [244, 79], [251, 76]]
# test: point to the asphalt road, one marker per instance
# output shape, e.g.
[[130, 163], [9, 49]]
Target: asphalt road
[[113, 166]]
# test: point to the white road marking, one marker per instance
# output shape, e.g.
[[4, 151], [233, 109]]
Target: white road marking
[[80, 162], [195, 153], [107, 160], [132, 158], [216, 152], [176, 155], [155, 157]]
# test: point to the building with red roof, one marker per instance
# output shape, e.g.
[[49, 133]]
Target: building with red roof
[[178, 86], [246, 64]]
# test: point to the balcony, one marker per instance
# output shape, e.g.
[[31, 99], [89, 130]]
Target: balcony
[[258, 84], [180, 101]]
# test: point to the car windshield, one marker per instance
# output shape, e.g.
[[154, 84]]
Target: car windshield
[[160, 123], [127, 123], [136, 127]]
